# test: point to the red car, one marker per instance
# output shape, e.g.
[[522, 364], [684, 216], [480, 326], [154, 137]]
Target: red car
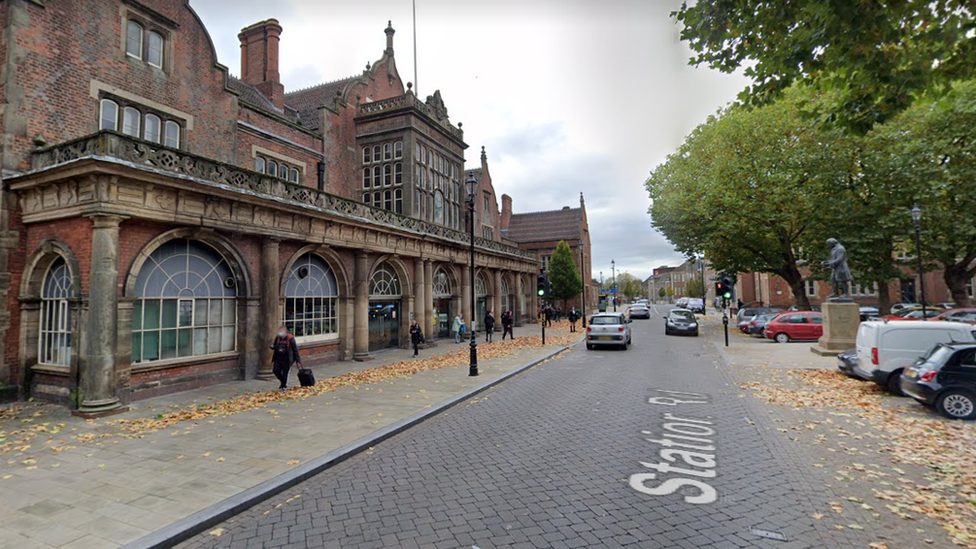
[[913, 314], [961, 314], [799, 325]]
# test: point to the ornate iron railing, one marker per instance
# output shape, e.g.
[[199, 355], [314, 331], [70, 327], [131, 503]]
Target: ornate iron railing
[[408, 100], [144, 153]]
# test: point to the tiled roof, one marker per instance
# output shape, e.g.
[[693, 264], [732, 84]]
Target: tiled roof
[[250, 95], [553, 225], [307, 101]]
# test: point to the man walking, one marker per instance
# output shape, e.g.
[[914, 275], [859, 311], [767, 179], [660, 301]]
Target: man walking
[[458, 327], [508, 321], [285, 354], [489, 326]]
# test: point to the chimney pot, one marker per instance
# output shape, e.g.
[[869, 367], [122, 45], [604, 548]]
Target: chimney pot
[[259, 59]]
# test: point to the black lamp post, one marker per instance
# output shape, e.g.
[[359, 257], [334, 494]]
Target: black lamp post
[[613, 285], [583, 276], [471, 186], [917, 221], [701, 272]]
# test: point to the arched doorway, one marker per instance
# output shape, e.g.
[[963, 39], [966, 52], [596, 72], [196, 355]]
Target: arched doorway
[[507, 298], [385, 304], [442, 303], [54, 344], [481, 294]]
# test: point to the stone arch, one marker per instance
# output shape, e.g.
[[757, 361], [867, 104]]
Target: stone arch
[[227, 250], [486, 277], [402, 273], [49, 251], [453, 278], [331, 258]]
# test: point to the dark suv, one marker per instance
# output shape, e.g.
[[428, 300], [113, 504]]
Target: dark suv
[[945, 378]]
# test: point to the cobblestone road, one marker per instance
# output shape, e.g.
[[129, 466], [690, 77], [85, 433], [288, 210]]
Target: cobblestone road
[[547, 459]]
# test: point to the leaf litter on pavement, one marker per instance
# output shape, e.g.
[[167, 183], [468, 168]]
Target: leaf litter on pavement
[[21, 440], [907, 434]]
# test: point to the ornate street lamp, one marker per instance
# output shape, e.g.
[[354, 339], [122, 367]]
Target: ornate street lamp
[[917, 221], [613, 284], [471, 186], [583, 276]]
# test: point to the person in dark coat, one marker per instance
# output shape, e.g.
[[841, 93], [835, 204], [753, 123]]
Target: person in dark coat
[[572, 317], [489, 326], [285, 354], [416, 336], [508, 321]]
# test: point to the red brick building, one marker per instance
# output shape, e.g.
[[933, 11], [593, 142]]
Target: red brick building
[[161, 218]]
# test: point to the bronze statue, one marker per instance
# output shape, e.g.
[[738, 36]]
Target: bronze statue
[[841, 273]]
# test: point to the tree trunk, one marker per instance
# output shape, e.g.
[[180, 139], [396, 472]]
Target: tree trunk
[[956, 276], [792, 277], [884, 296]]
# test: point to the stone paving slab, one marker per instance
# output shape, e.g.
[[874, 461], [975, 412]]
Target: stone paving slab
[[111, 492]]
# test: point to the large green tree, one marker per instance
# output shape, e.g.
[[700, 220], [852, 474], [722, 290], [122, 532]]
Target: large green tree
[[628, 285], [874, 57], [564, 276], [694, 287], [927, 156], [748, 188]]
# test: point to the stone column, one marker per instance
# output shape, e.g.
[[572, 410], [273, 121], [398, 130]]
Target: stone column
[[517, 306], [98, 383], [419, 296], [360, 347], [270, 305], [496, 302], [429, 321], [466, 289]]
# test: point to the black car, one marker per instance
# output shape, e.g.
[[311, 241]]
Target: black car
[[846, 362], [681, 321], [758, 323], [945, 378]]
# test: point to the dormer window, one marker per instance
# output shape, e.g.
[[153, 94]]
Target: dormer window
[[133, 39]]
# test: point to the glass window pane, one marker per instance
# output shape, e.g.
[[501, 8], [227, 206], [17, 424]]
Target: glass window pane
[[131, 120], [172, 135], [150, 346], [367, 158], [155, 53], [259, 164], [294, 176], [200, 341], [152, 128], [272, 167], [227, 339], [169, 313], [137, 315], [183, 343], [167, 344], [398, 149], [133, 39], [136, 347], [213, 340], [228, 312], [110, 116], [283, 171], [151, 314]]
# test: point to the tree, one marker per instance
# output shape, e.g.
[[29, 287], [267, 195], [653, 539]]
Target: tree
[[747, 188], [875, 58], [563, 274], [927, 156], [661, 292], [628, 285], [694, 287]]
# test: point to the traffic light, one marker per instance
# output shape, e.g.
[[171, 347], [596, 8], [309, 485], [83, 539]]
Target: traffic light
[[542, 285], [727, 284], [720, 289]]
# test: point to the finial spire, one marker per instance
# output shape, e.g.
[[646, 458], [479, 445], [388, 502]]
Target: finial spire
[[484, 156], [389, 37]]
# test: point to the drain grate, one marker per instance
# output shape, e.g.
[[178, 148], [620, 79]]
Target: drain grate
[[768, 534]]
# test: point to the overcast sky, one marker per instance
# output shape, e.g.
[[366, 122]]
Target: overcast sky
[[567, 96]]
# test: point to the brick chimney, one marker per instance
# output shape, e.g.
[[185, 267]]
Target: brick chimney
[[506, 211], [259, 59]]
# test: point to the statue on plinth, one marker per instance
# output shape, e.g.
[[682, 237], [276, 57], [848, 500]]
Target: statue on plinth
[[840, 273]]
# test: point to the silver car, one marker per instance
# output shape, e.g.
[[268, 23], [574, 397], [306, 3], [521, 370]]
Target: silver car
[[639, 310], [608, 329]]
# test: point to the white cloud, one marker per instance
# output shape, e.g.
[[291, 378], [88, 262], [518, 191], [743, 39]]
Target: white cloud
[[566, 95]]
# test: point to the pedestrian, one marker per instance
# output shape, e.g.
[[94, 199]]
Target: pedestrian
[[508, 321], [572, 317], [548, 316], [458, 327], [489, 326], [285, 353], [416, 336]]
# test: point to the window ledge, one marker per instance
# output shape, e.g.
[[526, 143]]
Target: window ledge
[[311, 340], [52, 369], [183, 361]]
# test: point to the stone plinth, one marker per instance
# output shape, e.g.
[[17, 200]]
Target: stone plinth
[[840, 322]]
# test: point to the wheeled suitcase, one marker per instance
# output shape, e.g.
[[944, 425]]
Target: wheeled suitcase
[[305, 377]]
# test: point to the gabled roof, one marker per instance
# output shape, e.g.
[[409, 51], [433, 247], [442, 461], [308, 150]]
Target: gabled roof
[[250, 95], [307, 101], [564, 224]]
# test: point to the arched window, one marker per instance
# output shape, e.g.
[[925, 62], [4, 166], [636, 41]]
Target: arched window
[[442, 285], [387, 151], [366, 172], [384, 282], [272, 168], [480, 285], [259, 164], [133, 39], [377, 176], [54, 344], [398, 174], [438, 207], [283, 171], [109, 119], [172, 135], [398, 149], [506, 301], [152, 128], [310, 299], [155, 52], [387, 175], [367, 158], [186, 303], [293, 176], [131, 122]]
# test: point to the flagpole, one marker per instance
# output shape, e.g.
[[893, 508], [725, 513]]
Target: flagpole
[[415, 88]]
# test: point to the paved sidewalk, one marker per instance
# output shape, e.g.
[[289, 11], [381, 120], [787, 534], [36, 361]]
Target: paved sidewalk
[[70, 483]]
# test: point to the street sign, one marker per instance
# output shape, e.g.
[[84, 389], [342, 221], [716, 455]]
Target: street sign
[[613, 290]]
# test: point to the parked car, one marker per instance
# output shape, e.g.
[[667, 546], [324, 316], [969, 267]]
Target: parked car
[[914, 314], [945, 378], [695, 305], [758, 323], [794, 308], [885, 349], [800, 325], [749, 312], [899, 306], [962, 314], [681, 321], [846, 362], [681, 303], [639, 310], [869, 313], [946, 305], [608, 329], [746, 321]]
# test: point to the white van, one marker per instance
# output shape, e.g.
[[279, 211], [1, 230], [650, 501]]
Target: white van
[[885, 348]]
